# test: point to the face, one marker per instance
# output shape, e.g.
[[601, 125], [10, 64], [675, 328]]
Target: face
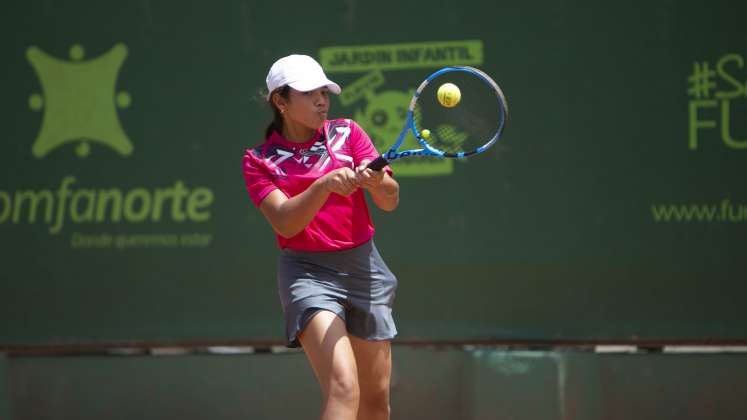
[[304, 109]]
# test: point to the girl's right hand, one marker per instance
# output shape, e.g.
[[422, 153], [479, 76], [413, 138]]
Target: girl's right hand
[[341, 181]]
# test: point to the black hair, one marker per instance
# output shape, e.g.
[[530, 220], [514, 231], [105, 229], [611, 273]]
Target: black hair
[[277, 119]]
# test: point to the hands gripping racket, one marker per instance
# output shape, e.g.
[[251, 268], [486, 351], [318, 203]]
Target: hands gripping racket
[[456, 112]]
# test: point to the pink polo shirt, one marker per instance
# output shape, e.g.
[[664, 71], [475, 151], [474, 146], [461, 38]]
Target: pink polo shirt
[[342, 222]]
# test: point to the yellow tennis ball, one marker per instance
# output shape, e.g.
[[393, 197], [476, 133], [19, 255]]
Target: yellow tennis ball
[[426, 134], [449, 95]]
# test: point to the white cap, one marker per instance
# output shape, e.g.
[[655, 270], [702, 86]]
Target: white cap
[[300, 72]]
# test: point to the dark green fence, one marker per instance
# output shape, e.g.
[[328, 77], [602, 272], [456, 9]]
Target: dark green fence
[[615, 207]]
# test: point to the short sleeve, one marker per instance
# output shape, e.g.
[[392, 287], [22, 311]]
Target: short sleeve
[[257, 177], [363, 148]]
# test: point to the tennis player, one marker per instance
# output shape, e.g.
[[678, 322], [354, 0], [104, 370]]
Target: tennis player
[[307, 179]]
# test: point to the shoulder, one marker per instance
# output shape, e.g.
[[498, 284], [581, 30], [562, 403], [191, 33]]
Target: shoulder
[[355, 131], [254, 156], [257, 151], [342, 122]]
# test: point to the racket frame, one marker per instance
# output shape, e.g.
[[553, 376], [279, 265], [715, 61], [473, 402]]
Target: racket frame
[[428, 150]]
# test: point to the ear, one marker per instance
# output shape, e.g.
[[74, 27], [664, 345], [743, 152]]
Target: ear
[[279, 102]]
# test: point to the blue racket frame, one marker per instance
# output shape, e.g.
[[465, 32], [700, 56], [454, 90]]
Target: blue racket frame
[[427, 150]]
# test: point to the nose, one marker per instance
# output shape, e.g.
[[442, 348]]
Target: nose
[[320, 98]]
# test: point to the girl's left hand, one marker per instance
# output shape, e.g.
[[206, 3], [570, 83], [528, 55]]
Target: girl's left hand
[[368, 178]]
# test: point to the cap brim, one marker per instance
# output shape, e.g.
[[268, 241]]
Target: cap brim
[[305, 86]]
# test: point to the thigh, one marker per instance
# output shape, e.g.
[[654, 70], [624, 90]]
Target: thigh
[[327, 346], [374, 361]]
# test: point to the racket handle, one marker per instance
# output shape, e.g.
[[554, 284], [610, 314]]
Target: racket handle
[[377, 164]]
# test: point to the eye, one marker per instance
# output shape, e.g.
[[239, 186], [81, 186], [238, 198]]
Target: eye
[[379, 118], [402, 112]]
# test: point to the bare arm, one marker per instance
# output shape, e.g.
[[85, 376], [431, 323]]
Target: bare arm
[[383, 188], [289, 216]]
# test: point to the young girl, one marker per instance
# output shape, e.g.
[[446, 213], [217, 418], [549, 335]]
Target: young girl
[[307, 179]]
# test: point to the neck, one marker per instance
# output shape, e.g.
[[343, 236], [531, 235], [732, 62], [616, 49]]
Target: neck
[[297, 133]]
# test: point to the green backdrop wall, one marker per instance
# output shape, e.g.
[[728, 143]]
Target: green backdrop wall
[[614, 208]]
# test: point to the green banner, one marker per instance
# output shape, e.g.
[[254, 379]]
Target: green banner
[[613, 208], [364, 58]]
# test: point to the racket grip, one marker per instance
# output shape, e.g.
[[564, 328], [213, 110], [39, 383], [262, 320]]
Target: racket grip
[[377, 164]]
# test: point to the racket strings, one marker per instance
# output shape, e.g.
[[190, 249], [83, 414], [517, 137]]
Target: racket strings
[[473, 122]]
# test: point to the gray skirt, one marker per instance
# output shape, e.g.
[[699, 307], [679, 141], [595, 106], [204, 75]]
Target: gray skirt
[[355, 284]]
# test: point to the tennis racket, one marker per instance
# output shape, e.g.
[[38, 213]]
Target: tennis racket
[[448, 130]]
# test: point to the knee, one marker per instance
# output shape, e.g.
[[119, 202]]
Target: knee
[[344, 388], [376, 399]]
